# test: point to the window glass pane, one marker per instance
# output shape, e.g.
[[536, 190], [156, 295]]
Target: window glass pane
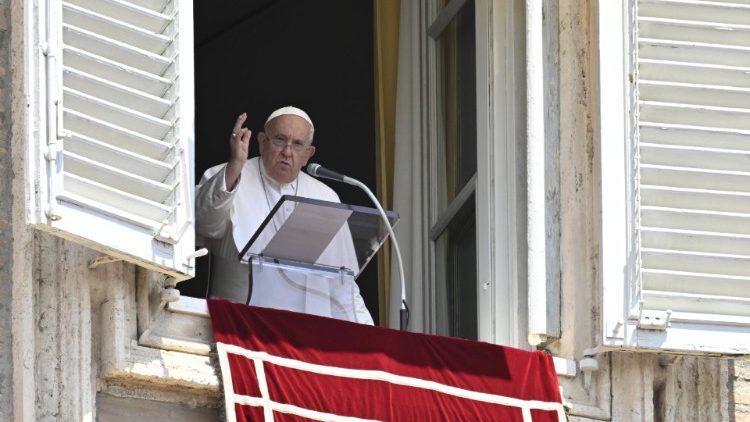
[[457, 276], [456, 102]]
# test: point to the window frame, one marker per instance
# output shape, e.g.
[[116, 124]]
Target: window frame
[[500, 96], [501, 268], [441, 219]]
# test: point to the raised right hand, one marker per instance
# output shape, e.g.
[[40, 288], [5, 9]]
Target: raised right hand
[[239, 145]]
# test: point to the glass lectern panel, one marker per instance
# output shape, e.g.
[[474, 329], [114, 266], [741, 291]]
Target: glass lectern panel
[[314, 290], [321, 233]]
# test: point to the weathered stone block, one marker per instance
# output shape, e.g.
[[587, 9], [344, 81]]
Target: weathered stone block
[[742, 369]]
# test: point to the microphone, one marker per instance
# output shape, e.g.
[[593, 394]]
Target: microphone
[[316, 170]]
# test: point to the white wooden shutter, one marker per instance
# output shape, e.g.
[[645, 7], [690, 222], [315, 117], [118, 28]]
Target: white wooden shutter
[[119, 88], [691, 132]]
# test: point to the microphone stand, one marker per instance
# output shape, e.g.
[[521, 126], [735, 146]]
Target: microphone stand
[[404, 310]]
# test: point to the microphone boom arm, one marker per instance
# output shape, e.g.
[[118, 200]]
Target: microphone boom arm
[[404, 310], [317, 170]]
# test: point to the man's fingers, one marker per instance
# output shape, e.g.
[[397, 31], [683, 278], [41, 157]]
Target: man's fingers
[[237, 129], [246, 133], [239, 141]]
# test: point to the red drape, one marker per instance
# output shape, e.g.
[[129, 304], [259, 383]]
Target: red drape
[[296, 366]]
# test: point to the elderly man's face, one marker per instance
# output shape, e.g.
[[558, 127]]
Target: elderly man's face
[[283, 163]]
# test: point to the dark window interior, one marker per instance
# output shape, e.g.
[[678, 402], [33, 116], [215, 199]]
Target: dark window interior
[[256, 56]]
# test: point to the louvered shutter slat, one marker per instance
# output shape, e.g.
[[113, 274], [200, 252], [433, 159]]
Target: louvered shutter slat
[[116, 72], [156, 5], [704, 263], [700, 73], [694, 283], [112, 92], [701, 115], [115, 50], [729, 2], [127, 118], [684, 177], [729, 306], [709, 95], [119, 179], [122, 159], [696, 199], [695, 241], [133, 35], [707, 32], [109, 200], [689, 156], [674, 218], [692, 135], [148, 18], [694, 52], [115, 135], [694, 10]]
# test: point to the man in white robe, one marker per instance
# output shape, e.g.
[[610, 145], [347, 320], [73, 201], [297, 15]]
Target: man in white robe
[[234, 198]]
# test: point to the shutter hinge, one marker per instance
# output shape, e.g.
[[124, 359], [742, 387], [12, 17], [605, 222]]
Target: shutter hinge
[[61, 134], [56, 145], [615, 330], [190, 259], [51, 151], [168, 235], [654, 320]]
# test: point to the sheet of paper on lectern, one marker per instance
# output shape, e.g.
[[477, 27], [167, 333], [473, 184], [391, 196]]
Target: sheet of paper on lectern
[[307, 232]]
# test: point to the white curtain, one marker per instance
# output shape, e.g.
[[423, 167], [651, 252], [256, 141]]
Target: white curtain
[[409, 186]]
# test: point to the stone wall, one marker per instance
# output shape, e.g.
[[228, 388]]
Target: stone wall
[[6, 224], [656, 387]]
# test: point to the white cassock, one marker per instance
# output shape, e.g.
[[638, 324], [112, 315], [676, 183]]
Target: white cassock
[[226, 220]]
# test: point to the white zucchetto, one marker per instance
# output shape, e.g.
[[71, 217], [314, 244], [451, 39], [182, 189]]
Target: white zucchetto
[[293, 111]]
